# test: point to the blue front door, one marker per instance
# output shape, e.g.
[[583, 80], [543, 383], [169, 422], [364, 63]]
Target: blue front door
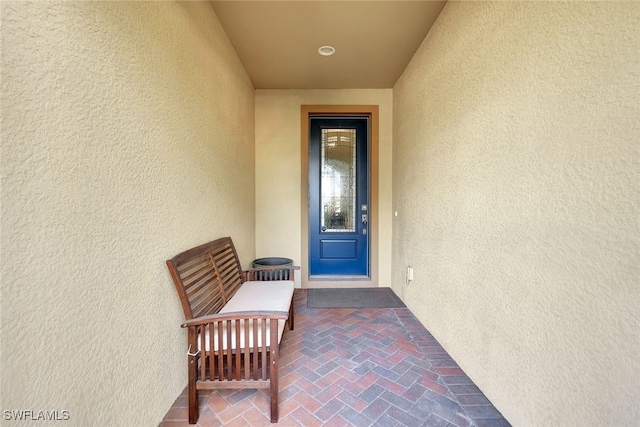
[[338, 196]]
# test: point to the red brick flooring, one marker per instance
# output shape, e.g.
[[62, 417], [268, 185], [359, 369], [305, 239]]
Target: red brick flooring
[[354, 367]]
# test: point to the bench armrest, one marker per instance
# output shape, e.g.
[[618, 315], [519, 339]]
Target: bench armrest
[[230, 332], [269, 273], [236, 315]]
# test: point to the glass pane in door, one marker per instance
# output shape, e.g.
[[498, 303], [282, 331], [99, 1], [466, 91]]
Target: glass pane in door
[[338, 180]]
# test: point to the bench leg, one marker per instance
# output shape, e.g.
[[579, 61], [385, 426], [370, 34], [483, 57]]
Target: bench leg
[[291, 316], [192, 372], [193, 391], [273, 371]]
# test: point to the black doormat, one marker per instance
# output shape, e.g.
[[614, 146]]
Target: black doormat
[[353, 298]]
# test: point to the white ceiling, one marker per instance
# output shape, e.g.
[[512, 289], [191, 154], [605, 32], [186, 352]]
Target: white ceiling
[[277, 41]]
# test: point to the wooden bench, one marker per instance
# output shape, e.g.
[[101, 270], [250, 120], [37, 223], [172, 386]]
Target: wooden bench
[[233, 317]]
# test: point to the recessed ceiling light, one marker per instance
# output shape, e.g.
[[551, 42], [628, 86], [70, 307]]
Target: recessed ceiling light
[[326, 50]]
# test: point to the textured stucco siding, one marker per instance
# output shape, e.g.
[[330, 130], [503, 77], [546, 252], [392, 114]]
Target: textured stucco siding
[[127, 136], [515, 178]]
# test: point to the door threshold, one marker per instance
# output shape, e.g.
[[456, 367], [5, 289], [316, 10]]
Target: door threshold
[[341, 278]]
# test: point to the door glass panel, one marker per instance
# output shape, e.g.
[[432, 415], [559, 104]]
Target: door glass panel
[[338, 183]]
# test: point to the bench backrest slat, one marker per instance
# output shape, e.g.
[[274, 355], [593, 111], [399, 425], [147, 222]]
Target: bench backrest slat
[[206, 277], [227, 264]]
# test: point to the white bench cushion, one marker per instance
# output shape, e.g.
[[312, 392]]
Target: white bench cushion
[[261, 296], [255, 296]]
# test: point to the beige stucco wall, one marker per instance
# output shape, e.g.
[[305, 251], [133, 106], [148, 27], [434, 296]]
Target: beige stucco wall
[[515, 177], [127, 136], [278, 169]]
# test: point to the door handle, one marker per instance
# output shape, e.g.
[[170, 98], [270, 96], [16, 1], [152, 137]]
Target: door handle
[[364, 218]]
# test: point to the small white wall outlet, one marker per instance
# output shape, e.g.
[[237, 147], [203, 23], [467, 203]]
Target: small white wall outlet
[[409, 274]]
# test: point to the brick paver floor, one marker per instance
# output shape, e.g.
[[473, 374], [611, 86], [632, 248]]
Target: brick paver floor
[[354, 367]]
